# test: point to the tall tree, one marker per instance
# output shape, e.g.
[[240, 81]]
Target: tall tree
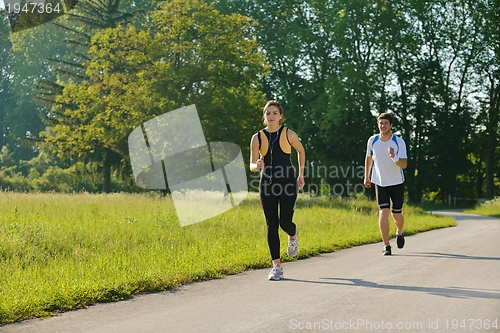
[[27, 64], [354, 81], [7, 102], [489, 78], [78, 27], [288, 38], [193, 55], [337, 63], [315, 48]]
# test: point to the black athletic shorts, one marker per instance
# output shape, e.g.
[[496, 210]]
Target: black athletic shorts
[[386, 194]]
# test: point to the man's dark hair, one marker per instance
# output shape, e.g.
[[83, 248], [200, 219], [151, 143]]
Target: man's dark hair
[[385, 115]]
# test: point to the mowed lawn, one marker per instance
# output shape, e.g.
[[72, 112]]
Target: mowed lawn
[[64, 251]]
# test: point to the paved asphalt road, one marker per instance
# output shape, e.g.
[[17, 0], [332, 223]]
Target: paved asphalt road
[[446, 280]]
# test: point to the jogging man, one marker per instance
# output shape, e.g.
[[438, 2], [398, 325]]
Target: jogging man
[[385, 160]]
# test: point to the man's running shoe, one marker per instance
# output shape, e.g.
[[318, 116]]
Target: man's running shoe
[[400, 240], [387, 250], [293, 246], [276, 273]]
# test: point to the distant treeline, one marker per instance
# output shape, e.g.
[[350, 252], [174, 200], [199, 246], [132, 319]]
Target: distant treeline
[[71, 90]]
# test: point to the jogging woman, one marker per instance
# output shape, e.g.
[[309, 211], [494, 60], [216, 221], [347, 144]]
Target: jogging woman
[[270, 151]]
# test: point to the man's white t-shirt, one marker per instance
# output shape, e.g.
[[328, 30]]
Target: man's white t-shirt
[[384, 171]]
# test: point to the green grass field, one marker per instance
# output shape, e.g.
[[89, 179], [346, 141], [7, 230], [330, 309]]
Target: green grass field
[[488, 208], [64, 251]]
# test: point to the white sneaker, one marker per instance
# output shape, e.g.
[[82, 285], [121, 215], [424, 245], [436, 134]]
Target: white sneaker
[[276, 273], [293, 246]]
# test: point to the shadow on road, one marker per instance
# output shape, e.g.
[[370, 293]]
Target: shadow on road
[[446, 256], [452, 292]]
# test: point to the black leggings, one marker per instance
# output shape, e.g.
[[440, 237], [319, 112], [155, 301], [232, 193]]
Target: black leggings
[[282, 192]]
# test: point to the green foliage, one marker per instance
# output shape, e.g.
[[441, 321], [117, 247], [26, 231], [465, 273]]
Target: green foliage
[[332, 63], [7, 102], [346, 61], [194, 55], [9, 125], [45, 174], [12, 180], [61, 252]]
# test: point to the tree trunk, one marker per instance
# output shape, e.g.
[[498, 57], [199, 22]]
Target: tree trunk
[[106, 186], [492, 128], [479, 181]]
